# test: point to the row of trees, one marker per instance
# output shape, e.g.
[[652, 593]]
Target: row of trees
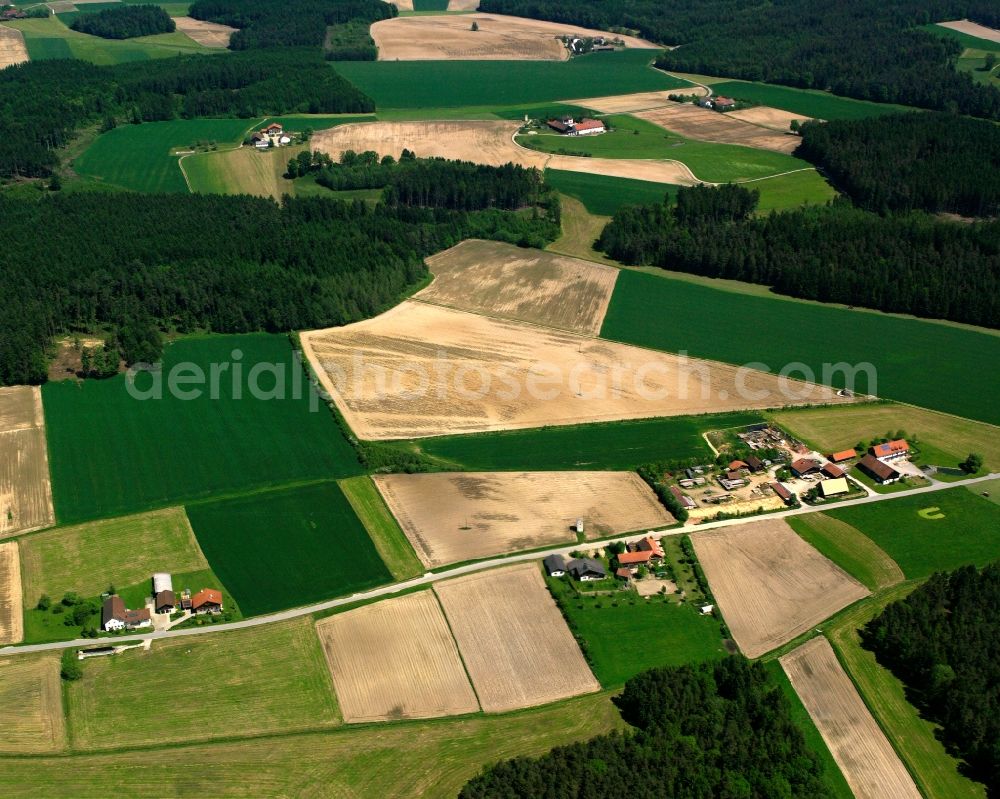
[[720, 730], [943, 642], [125, 22], [856, 48], [902, 162], [904, 263]]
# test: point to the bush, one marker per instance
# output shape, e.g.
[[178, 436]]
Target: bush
[[70, 668]]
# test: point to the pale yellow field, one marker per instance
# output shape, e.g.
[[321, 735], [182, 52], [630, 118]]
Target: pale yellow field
[[499, 38], [11, 610], [31, 711], [421, 370], [628, 103], [244, 170], [463, 5], [396, 659], [768, 117], [869, 763], [770, 585], [207, 34], [25, 490], [535, 286], [12, 48], [483, 142], [453, 517], [973, 29], [516, 646], [703, 124]]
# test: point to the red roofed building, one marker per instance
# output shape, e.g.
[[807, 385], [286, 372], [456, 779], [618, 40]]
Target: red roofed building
[[833, 471], [805, 466], [738, 465], [567, 126], [207, 600], [890, 451], [650, 545], [784, 493], [843, 455]]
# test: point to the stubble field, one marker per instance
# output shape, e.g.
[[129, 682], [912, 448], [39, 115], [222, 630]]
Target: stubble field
[[972, 29], [453, 517], [703, 124], [517, 648], [207, 34], [768, 117], [31, 711], [395, 660], [11, 611], [12, 48], [866, 758], [770, 585], [25, 490]]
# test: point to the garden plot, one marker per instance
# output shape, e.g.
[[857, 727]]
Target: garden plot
[[703, 124], [25, 490]]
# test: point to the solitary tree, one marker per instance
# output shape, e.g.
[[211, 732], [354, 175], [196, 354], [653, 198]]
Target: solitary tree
[[475, 27], [972, 464], [70, 668]]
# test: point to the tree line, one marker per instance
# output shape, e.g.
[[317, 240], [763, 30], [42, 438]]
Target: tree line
[[856, 48], [125, 22], [943, 642], [719, 730], [933, 162], [903, 263], [129, 263]]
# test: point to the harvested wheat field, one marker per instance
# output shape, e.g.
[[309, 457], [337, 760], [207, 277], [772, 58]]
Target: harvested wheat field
[[396, 660], [484, 142], [768, 117], [628, 103], [12, 48], [453, 517], [869, 763], [516, 646], [535, 286], [770, 584], [31, 712], [499, 38], [972, 29], [207, 34], [25, 490], [703, 124], [11, 610], [420, 370], [463, 5]]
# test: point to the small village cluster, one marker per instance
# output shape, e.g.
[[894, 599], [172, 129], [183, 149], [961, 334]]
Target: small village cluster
[[644, 552], [163, 602]]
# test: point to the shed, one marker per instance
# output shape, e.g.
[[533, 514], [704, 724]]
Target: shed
[[843, 455], [782, 492], [162, 582], [835, 487], [878, 470], [754, 463], [805, 466], [832, 470]]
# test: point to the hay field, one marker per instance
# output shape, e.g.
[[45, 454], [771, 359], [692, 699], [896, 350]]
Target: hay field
[[770, 585], [499, 38], [463, 5], [25, 488], [12, 48], [11, 610], [396, 660], [484, 142], [453, 517], [768, 117], [419, 370], [629, 103], [517, 648], [207, 34], [31, 711], [865, 756], [542, 288], [703, 124], [972, 29], [243, 170]]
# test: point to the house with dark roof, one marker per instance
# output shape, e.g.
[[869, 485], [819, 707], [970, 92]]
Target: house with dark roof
[[555, 565], [165, 602], [685, 501], [586, 569], [804, 466], [115, 616], [879, 471], [754, 464], [832, 471]]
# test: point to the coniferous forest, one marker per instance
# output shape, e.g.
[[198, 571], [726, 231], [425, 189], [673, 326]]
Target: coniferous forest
[[943, 642], [125, 22]]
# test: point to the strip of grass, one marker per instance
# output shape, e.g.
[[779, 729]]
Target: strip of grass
[[792, 191], [655, 311], [279, 549], [808, 102], [392, 544], [855, 553], [615, 445], [968, 530], [112, 454], [430, 84]]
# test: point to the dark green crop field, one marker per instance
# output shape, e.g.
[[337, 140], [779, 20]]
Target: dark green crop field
[[603, 195], [111, 454], [280, 549], [820, 105], [932, 365]]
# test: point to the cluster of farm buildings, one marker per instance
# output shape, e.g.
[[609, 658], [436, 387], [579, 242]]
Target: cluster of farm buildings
[[273, 135], [567, 126], [115, 616]]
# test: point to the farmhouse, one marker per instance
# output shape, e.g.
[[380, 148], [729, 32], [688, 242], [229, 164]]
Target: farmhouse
[[724, 103], [804, 466], [115, 616], [686, 502], [890, 451], [834, 488], [786, 496], [272, 136], [586, 569], [207, 600], [567, 126], [843, 455], [555, 565], [735, 466], [650, 545], [879, 471]]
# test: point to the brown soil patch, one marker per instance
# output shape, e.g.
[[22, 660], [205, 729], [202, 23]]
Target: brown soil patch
[[869, 763], [770, 585], [533, 286], [499, 38], [484, 142], [516, 645], [629, 103], [68, 359], [421, 370], [396, 660], [461, 516], [768, 117], [207, 34], [652, 586], [463, 5], [12, 48], [973, 29], [31, 712], [11, 612], [25, 490], [703, 124]]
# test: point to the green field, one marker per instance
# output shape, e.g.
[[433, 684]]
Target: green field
[[615, 445], [968, 530], [808, 102], [806, 187], [280, 549], [854, 552], [964, 39], [432, 84], [111, 454], [392, 544], [430, 5], [264, 680], [604, 195], [659, 312]]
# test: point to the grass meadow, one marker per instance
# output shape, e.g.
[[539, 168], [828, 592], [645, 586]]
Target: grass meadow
[[652, 310], [280, 549], [391, 542], [854, 552], [808, 102], [111, 454]]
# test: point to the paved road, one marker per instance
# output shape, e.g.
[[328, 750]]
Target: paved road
[[432, 577]]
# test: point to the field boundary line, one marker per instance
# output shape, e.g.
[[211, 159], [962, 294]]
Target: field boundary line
[[461, 657]]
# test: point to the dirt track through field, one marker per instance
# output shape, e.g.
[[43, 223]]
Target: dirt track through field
[[516, 645], [31, 711], [499, 38], [535, 286], [12, 48], [770, 585], [484, 142], [703, 124], [869, 763], [453, 517], [25, 488], [396, 660], [973, 29], [207, 34], [11, 610], [421, 370]]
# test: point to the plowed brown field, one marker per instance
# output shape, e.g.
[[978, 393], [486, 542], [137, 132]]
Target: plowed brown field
[[703, 124], [12, 48]]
